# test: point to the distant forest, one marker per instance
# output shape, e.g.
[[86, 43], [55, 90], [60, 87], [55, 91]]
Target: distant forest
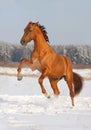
[[14, 52]]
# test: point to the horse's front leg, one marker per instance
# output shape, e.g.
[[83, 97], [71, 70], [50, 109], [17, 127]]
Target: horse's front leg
[[22, 62]]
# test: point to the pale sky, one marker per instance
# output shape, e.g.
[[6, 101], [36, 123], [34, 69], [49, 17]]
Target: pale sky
[[66, 21]]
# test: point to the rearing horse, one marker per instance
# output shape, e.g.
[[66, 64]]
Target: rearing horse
[[49, 63]]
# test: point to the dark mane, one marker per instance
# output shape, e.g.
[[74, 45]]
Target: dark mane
[[44, 32]]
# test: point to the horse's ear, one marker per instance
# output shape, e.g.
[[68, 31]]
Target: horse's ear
[[30, 22], [37, 23]]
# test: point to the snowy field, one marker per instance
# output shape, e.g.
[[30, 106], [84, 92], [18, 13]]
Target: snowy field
[[24, 107]]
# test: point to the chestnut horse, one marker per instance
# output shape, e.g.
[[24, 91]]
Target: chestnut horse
[[49, 63]]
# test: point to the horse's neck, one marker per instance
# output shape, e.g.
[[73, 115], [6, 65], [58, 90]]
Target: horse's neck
[[40, 44]]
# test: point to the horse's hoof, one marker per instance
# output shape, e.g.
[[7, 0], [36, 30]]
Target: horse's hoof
[[48, 95], [19, 77]]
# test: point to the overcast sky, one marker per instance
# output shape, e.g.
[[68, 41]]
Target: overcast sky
[[66, 21]]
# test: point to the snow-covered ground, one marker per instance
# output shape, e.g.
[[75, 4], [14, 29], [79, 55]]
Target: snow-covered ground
[[24, 107]]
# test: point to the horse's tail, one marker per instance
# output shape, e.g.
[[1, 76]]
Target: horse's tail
[[78, 83]]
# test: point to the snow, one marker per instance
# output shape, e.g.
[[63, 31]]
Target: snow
[[24, 107]]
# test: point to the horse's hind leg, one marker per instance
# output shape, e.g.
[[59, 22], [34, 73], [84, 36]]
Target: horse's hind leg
[[69, 82], [22, 62]]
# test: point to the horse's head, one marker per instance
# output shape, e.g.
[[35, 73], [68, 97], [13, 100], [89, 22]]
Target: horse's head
[[29, 33], [33, 30]]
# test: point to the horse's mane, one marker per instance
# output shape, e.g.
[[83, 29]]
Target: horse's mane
[[44, 32]]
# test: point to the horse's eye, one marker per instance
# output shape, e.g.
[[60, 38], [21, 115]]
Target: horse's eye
[[30, 30]]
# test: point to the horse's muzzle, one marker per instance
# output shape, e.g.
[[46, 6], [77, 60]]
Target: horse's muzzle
[[24, 43]]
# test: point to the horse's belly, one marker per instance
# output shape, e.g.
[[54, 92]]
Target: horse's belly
[[56, 74]]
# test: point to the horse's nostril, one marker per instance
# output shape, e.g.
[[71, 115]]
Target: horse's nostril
[[23, 42]]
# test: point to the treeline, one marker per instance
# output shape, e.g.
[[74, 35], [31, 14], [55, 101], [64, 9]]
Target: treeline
[[14, 52], [80, 54]]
